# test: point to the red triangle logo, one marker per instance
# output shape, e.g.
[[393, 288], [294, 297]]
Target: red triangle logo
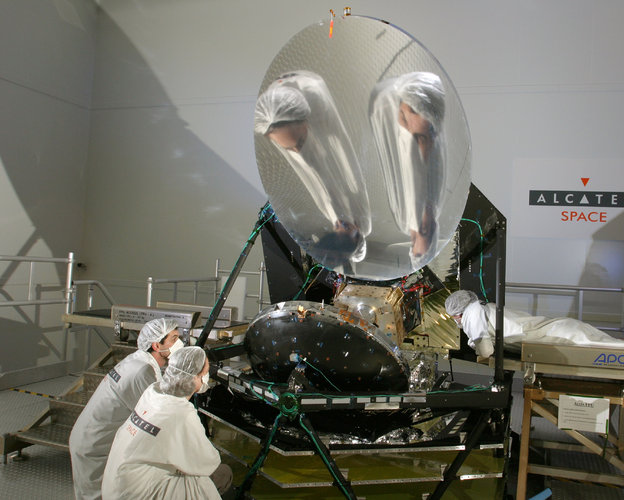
[[585, 180]]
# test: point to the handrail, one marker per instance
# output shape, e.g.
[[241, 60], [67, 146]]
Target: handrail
[[260, 273], [22, 258], [69, 260], [562, 287], [19, 303], [91, 284], [154, 281], [576, 290]]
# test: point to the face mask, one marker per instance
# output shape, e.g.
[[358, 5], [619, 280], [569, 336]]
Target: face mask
[[204, 386], [177, 345]]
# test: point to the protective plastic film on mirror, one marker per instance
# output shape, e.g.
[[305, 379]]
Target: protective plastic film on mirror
[[363, 147]]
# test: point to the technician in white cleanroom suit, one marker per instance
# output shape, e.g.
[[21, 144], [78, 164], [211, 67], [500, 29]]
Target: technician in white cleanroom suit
[[161, 451], [112, 402], [406, 114], [298, 115], [479, 322]]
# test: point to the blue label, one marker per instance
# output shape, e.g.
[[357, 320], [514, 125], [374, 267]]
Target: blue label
[[605, 359]]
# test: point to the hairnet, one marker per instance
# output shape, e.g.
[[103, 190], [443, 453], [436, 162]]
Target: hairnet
[[279, 103], [154, 331], [184, 365], [457, 302], [423, 92]]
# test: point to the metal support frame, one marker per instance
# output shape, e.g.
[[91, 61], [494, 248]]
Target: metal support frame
[[501, 234], [296, 405], [339, 480], [259, 460], [196, 281], [260, 273], [266, 213], [450, 474]]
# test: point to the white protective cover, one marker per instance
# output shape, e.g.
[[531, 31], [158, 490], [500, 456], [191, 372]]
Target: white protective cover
[[479, 323], [94, 430], [161, 451]]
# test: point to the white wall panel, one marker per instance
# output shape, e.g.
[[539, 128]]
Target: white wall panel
[[46, 63], [48, 46], [161, 202]]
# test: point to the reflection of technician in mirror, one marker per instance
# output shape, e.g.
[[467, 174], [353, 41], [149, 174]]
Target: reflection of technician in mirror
[[406, 115], [299, 116]]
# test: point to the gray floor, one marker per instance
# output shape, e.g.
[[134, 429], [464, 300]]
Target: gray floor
[[45, 473]]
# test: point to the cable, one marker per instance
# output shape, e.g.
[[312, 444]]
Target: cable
[[322, 374], [256, 230], [480, 257], [307, 279], [470, 388], [261, 397]]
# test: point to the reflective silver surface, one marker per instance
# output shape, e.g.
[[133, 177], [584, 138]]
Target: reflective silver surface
[[363, 147], [423, 369]]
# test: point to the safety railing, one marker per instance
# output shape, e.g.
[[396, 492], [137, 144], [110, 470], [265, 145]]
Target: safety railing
[[537, 290], [92, 286], [68, 289], [260, 275], [31, 288], [152, 282]]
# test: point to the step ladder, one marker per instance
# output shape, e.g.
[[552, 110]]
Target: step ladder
[[53, 427]]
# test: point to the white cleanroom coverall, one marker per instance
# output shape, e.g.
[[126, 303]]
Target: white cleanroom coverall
[[479, 323], [161, 452], [111, 403]]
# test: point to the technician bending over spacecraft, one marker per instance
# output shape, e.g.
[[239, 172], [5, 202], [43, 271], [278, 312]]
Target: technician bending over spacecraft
[[298, 114], [406, 115], [161, 451], [478, 321]]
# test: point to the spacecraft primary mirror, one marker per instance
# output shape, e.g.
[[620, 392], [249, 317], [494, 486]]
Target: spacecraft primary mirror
[[363, 147]]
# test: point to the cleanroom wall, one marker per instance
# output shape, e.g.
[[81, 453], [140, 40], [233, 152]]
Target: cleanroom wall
[[172, 174], [46, 69]]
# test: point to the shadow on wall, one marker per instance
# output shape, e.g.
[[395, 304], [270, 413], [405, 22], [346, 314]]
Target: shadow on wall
[[176, 204], [157, 195], [29, 340], [604, 268]]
